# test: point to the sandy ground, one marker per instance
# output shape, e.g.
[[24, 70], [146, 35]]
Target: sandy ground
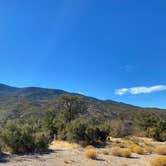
[[67, 154], [76, 158]]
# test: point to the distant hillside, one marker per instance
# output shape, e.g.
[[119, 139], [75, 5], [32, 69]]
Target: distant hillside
[[35, 102]]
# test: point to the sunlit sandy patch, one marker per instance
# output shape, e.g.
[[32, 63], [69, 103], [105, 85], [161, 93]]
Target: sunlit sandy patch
[[63, 145]]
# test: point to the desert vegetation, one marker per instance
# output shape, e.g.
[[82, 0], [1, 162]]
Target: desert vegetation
[[161, 150], [151, 125], [121, 152], [24, 137], [96, 137], [105, 151], [136, 149], [90, 153], [159, 161], [33, 135]]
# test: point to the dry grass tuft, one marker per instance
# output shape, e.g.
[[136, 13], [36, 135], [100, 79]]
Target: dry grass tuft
[[136, 149], [90, 154], [128, 143], [125, 152], [115, 151], [147, 141], [159, 161], [121, 152], [135, 140], [161, 150], [149, 149], [105, 151]]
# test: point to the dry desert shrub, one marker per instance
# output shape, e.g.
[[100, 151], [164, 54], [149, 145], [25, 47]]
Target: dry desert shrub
[[147, 141], [90, 154], [136, 149], [149, 149], [125, 152], [120, 128], [121, 152], [159, 161], [115, 151], [128, 143], [161, 150], [135, 140], [105, 151]]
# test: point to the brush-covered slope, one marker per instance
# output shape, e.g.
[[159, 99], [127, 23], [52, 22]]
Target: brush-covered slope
[[35, 102]]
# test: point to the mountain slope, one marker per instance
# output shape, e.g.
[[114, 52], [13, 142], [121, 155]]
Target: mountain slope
[[35, 102], [20, 102]]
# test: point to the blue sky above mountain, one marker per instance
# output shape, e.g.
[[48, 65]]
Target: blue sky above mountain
[[91, 47]]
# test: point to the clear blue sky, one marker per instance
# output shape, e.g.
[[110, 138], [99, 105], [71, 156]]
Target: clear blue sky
[[90, 46]]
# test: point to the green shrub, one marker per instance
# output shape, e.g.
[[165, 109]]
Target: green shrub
[[153, 126], [22, 138], [67, 108], [160, 134], [41, 142], [62, 122], [87, 131]]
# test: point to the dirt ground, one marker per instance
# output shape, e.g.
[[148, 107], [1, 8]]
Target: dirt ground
[[63, 154]]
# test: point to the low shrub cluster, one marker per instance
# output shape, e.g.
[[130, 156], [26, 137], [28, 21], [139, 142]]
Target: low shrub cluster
[[121, 152], [22, 137], [120, 128], [91, 153], [68, 125], [161, 150], [105, 151], [159, 161], [152, 125], [87, 131], [136, 149], [149, 149], [63, 122]]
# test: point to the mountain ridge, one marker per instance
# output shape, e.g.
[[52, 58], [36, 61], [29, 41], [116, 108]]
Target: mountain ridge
[[64, 91], [36, 101]]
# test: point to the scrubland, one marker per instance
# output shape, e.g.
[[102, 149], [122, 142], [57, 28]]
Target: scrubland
[[68, 138], [117, 152]]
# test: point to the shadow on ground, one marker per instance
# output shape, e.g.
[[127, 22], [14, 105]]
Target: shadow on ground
[[4, 158]]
